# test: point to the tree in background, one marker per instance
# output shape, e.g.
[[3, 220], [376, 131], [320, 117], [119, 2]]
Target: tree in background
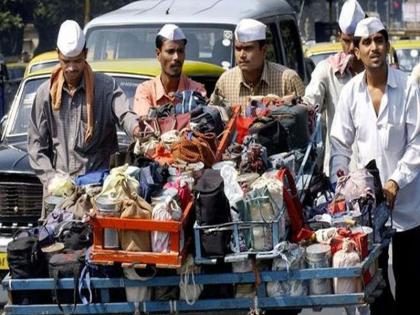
[[13, 16], [46, 17]]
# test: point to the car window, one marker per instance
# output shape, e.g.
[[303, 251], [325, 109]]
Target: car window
[[291, 43], [319, 57], [20, 124], [129, 86], [271, 49], [408, 58], [212, 44], [43, 65], [16, 72]]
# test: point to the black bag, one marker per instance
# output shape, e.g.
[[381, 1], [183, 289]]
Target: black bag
[[74, 234], [373, 170], [66, 265], [212, 207], [89, 294], [294, 118], [217, 291], [271, 134], [207, 119], [25, 258]]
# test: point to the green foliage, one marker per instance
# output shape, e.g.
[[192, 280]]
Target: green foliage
[[46, 15]]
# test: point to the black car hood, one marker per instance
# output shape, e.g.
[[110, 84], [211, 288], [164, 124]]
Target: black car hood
[[14, 158]]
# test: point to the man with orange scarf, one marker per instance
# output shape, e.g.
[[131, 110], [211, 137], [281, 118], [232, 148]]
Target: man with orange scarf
[[72, 127]]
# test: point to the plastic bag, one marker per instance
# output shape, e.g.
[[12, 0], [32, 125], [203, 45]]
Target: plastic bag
[[232, 189], [61, 185]]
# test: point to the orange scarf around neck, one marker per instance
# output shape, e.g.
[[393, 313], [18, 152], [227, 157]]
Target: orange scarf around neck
[[56, 88]]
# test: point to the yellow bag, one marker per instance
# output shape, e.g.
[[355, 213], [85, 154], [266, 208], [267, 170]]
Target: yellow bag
[[118, 185]]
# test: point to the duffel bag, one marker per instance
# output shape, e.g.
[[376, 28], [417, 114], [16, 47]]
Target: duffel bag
[[271, 134], [294, 118], [25, 258], [66, 265], [207, 119]]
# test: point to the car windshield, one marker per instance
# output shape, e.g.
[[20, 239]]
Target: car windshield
[[43, 65], [408, 58], [20, 123], [212, 44]]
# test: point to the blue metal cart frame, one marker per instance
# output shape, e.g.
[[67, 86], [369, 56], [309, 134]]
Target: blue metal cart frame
[[261, 301]]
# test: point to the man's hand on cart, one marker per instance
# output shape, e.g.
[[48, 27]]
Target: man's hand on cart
[[390, 191]]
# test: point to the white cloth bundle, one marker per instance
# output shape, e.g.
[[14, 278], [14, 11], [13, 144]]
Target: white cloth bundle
[[347, 257]]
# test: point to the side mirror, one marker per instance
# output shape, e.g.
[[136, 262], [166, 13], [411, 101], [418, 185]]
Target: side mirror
[[3, 122]]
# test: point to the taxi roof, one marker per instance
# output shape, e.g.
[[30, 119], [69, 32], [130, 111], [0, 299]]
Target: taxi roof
[[191, 11], [405, 44], [321, 48], [147, 67]]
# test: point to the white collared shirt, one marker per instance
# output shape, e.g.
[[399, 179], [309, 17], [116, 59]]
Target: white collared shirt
[[392, 138], [324, 90]]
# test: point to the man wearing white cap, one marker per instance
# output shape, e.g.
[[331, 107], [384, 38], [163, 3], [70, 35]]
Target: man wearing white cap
[[379, 111], [170, 51], [72, 124], [331, 74], [253, 75]]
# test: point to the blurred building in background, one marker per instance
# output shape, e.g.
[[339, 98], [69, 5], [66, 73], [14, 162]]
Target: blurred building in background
[[402, 17]]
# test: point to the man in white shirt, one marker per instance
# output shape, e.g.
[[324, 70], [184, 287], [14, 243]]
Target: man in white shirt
[[379, 111], [331, 74], [415, 74]]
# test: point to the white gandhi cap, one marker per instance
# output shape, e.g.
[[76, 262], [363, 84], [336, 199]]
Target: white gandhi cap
[[71, 39], [171, 32], [249, 30], [368, 27], [351, 14]]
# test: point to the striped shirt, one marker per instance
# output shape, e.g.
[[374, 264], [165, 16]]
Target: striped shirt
[[56, 138], [275, 79]]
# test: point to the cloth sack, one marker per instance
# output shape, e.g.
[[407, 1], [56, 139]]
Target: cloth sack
[[132, 240], [190, 292], [119, 185], [167, 210], [347, 257], [290, 257]]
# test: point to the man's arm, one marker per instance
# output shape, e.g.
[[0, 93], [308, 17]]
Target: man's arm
[[218, 94], [126, 119], [316, 89], [292, 83], [342, 135], [408, 167], [142, 101], [39, 140]]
